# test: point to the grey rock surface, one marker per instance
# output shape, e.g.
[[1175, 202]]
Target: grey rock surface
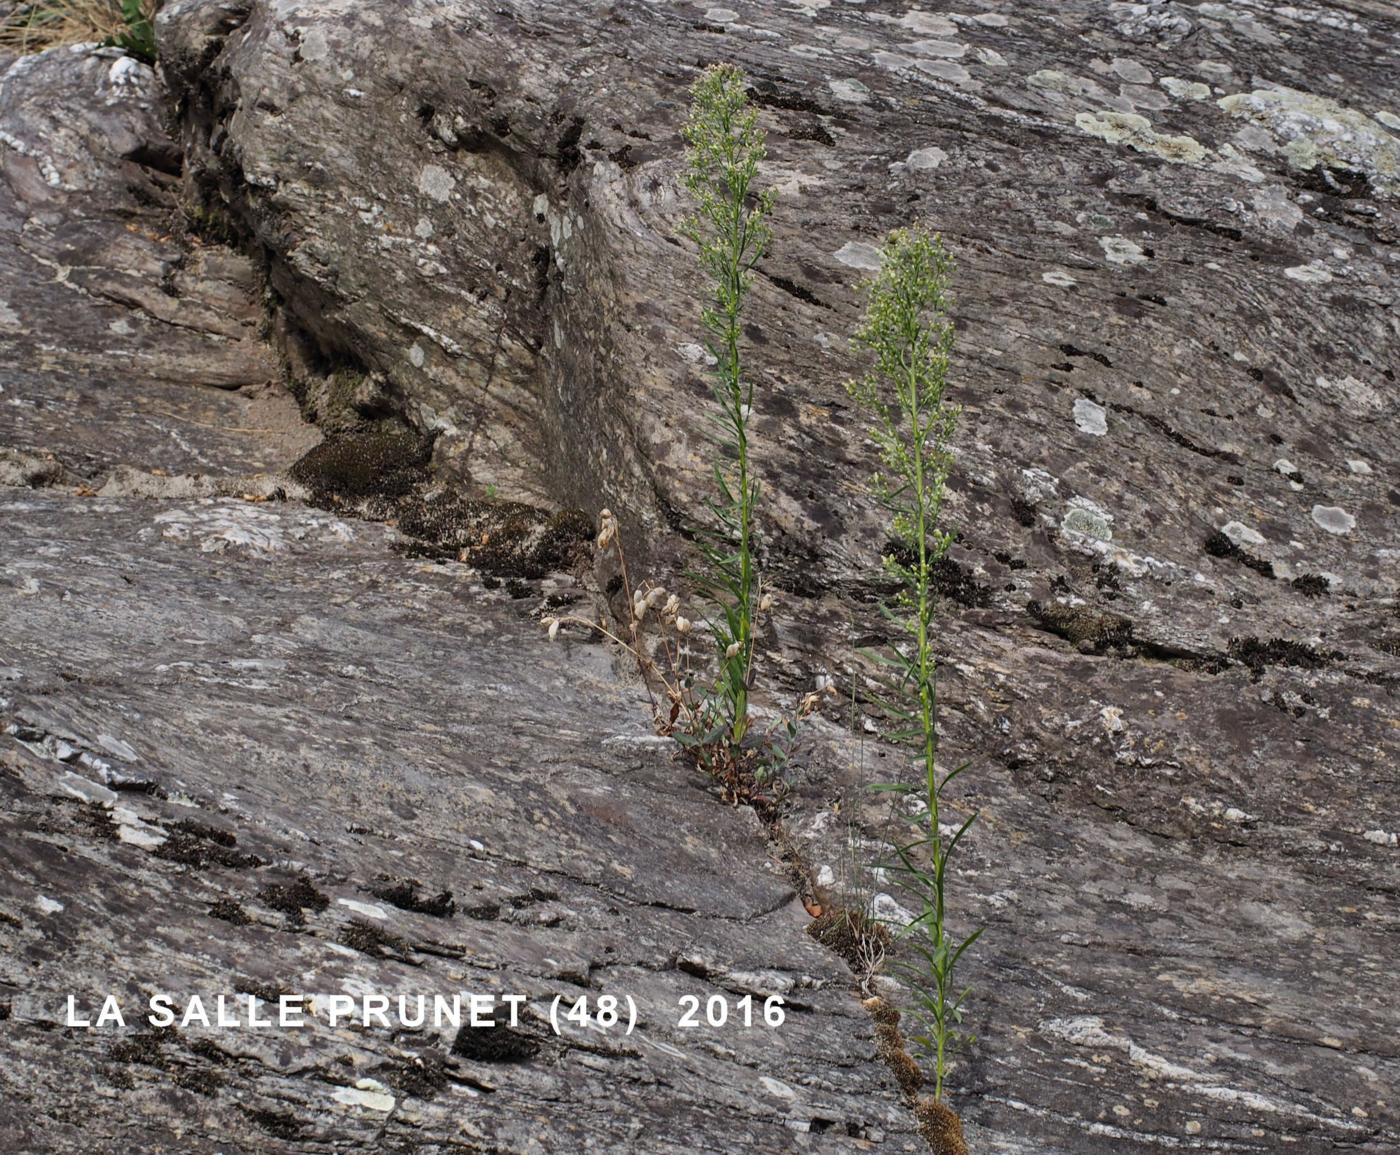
[[122, 342], [248, 699], [1172, 633], [250, 748]]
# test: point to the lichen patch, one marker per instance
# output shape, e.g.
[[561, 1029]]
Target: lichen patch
[[1137, 133]]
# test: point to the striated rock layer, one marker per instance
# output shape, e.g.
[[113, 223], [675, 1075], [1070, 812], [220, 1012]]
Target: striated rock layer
[[1171, 630]]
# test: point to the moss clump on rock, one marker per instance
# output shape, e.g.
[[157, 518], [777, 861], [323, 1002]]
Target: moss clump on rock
[[500, 538], [940, 1126], [494, 1044], [850, 934], [379, 460], [1092, 631]]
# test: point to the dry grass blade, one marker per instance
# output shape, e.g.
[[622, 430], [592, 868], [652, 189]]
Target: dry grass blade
[[53, 23]]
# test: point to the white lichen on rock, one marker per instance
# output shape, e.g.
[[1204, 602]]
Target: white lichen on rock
[[1086, 519], [925, 159], [850, 91], [1352, 395], [1137, 133], [1121, 251], [947, 49], [1185, 89], [367, 1093], [1241, 534], [1312, 131], [1313, 273], [859, 255], [1333, 519], [1090, 417], [436, 182]]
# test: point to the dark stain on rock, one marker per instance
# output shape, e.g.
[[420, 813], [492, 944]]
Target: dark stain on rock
[[1023, 511], [147, 1049], [952, 581], [143, 1048], [814, 131], [72, 815], [278, 1124], [209, 1051], [198, 1080], [1074, 351], [568, 152], [96, 820], [1161, 426], [801, 292], [500, 538], [419, 1076], [767, 93], [1311, 585], [1258, 655], [229, 911]]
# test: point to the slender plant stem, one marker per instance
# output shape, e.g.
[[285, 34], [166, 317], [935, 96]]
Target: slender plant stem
[[725, 148], [908, 331]]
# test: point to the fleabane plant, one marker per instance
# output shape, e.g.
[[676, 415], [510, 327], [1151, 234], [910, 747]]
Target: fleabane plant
[[724, 149], [909, 335]]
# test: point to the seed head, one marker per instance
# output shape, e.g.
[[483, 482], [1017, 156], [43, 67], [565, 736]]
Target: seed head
[[607, 529]]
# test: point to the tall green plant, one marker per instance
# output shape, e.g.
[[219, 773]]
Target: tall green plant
[[725, 147], [908, 331]]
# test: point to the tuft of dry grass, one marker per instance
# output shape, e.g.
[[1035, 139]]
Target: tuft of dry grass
[[42, 24]]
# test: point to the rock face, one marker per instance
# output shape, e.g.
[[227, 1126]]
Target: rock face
[[1171, 631], [271, 757], [108, 320]]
